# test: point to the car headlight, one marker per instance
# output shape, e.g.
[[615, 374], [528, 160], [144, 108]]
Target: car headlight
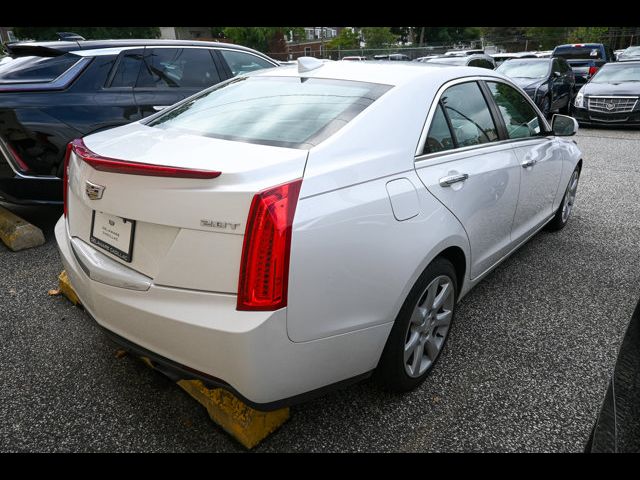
[[579, 103]]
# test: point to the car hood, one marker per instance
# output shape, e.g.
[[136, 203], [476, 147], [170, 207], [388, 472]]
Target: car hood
[[528, 83], [624, 88]]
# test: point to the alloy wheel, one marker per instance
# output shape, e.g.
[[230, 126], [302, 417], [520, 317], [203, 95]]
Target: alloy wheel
[[429, 326], [570, 196]]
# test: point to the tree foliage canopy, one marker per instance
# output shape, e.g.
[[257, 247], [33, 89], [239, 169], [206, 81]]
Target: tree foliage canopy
[[345, 40], [378, 37]]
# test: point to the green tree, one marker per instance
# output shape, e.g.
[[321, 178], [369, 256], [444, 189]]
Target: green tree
[[90, 33], [588, 34], [262, 39], [545, 38], [378, 37], [345, 40]]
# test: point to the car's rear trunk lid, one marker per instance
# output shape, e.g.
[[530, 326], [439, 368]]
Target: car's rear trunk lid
[[188, 232]]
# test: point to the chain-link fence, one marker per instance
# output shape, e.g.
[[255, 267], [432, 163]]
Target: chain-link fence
[[615, 37], [320, 51]]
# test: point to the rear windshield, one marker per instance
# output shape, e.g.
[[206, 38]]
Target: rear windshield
[[571, 53], [36, 69], [280, 111]]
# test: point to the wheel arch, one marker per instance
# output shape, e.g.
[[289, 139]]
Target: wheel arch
[[458, 259]]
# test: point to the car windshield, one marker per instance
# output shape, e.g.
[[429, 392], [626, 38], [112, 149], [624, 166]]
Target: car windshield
[[525, 68], [632, 51], [617, 73], [280, 111], [36, 69], [574, 53]]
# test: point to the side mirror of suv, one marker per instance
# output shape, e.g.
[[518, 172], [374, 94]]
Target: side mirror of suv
[[564, 126]]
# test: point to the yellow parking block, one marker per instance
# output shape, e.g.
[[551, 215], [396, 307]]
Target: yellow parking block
[[18, 234], [245, 424], [66, 289]]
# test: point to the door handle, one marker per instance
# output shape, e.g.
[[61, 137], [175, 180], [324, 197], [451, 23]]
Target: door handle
[[157, 108], [451, 179], [529, 163]]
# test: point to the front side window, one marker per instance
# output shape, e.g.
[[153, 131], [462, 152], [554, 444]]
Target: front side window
[[278, 111], [564, 66], [241, 62], [439, 136], [177, 67], [469, 115], [519, 116]]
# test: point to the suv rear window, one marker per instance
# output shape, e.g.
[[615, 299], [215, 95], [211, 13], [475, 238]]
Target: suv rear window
[[36, 69], [575, 53], [279, 111]]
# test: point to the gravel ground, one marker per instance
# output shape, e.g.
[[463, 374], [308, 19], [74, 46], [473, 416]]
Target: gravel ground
[[525, 369]]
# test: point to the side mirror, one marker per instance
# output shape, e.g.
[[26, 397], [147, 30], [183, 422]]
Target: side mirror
[[557, 74], [564, 126]]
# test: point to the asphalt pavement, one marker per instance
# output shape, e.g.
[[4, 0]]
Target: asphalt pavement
[[525, 368]]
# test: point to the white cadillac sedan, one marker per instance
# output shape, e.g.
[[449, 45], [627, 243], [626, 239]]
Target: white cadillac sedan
[[301, 228]]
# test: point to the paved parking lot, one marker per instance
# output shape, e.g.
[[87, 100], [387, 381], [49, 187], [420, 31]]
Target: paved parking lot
[[525, 369]]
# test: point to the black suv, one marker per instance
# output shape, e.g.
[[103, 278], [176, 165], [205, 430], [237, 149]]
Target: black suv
[[53, 92], [585, 59]]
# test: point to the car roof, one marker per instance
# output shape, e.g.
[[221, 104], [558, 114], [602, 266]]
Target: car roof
[[69, 46], [579, 45], [388, 73]]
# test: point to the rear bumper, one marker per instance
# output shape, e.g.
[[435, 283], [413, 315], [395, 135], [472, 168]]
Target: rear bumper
[[600, 118], [203, 335]]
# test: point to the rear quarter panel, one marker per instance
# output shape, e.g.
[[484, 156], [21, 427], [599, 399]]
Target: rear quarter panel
[[352, 262]]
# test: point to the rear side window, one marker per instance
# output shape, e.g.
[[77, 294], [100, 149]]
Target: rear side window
[[575, 53], [36, 69], [127, 70], [177, 67], [519, 116], [241, 62], [439, 136], [469, 114], [279, 111], [481, 62]]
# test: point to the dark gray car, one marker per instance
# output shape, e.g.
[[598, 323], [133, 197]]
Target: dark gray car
[[548, 81]]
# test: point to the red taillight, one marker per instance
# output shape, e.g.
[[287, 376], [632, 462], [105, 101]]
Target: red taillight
[[592, 71], [264, 270], [65, 179], [113, 165]]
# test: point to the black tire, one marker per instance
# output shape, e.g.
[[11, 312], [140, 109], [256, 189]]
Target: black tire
[[558, 222], [391, 373]]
